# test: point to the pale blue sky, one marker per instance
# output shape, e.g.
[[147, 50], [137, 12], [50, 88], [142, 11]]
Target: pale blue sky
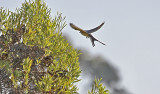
[[131, 32]]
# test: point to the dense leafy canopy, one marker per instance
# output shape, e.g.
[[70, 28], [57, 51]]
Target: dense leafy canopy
[[34, 56]]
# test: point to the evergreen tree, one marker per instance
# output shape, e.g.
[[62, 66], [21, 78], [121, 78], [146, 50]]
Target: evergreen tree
[[34, 56]]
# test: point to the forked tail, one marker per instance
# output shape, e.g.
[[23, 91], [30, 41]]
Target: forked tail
[[94, 39]]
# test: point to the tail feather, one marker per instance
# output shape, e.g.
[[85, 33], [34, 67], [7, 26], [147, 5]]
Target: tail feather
[[101, 42], [94, 39]]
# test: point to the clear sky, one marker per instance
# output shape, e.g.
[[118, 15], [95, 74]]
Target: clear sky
[[131, 32]]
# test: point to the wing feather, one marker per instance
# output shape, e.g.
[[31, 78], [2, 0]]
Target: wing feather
[[79, 29], [95, 29]]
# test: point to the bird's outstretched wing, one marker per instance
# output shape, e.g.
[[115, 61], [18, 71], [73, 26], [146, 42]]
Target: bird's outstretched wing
[[77, 28], [83, 32], [95, 29]]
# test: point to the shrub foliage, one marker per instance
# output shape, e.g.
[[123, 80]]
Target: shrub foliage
[[34, 56]]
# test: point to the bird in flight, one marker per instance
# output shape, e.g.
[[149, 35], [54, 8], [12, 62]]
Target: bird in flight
[[87, 33]]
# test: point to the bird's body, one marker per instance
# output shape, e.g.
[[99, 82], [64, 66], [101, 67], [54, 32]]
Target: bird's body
[[84, 34], [87, 33]]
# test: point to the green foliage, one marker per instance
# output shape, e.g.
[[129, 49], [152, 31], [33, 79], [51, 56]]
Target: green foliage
[[98, 88], [34, 56], [38, 58]]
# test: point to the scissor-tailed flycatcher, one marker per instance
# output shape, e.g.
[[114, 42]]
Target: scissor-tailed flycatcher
[[87, 33]]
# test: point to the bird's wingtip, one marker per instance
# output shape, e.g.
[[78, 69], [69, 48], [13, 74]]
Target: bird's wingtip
[[70, 23]]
